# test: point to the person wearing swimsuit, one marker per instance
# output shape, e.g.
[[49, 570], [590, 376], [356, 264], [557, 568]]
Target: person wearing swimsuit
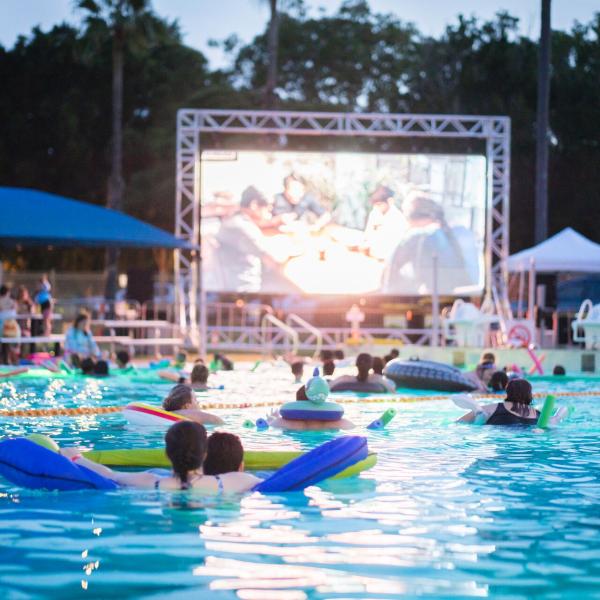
[[186, 445], [515, 410]]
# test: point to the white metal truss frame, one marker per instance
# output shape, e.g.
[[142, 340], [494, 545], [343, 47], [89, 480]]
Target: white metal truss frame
[[495, 130]]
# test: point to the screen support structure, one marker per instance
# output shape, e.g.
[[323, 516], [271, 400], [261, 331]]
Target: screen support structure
[[494, 130]]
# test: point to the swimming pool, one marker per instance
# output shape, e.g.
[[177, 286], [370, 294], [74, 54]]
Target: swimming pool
[[449, 510]]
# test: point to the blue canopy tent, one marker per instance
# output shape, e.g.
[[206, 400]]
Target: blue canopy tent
[[31, 217]]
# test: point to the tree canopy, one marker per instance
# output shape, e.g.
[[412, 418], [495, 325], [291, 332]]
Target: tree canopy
[[56, 101]]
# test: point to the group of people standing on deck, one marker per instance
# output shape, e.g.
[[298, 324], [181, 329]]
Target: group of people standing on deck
[[404, 236], [24, 316]]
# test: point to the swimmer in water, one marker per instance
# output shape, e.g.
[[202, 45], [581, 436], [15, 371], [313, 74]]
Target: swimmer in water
[[186, 446], [516, 409], [182, 401], [364, 364], [225, 454]]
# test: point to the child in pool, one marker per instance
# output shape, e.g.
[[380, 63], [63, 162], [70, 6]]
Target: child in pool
[[186, 447], [225, 454], [182, 401]]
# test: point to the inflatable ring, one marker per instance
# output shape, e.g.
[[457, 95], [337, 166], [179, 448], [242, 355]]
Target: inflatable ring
[[305, 410], [144, 415], [427, 375]]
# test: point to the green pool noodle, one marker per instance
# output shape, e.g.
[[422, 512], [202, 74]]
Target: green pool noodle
[[388, 415], [256, 365], [547, 412], [65, 367], [44, 441]]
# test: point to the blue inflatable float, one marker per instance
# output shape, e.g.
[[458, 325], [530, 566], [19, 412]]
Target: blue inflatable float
[[30, 465]]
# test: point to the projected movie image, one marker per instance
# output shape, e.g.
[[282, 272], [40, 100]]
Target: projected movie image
[[342, 223]]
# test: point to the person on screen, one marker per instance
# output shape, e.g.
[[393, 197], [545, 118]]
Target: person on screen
[[245, 251], [385, 224], [295, 203], [410, 268]]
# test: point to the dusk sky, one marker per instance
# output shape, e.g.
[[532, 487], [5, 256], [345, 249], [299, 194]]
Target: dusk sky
[[202, 20]]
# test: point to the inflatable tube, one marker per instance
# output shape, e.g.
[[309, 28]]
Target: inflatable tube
[[254, 460], [144, 415], [427, 375], [306, 410], [27, 464], [323, 462], [365, 387]]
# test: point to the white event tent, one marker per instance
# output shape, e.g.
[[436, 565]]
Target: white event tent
[[566, 251]]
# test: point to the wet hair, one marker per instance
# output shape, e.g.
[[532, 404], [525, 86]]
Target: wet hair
[[123, 357], [364, 363], [101, 368], [328, 367], [226, 364], [87, 366], [250, 196], [225, 454], [338, 354], [80, 318], [487, 357], [297, 368], [326, 355], [199, 373], [4, 290], [382, 193], [292, 177], [378, 365], [387, 358], [518, 392], [301, 393], [186, 446], [498, 381], [181, 395], [394, 353], [559, 370]]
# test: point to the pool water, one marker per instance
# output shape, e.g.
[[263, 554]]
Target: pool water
[[449, 510]]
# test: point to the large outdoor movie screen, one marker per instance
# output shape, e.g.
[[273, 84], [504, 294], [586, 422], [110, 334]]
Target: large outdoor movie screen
[[342, 223]]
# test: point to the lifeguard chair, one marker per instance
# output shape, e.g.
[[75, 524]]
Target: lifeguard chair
[[587, 321]]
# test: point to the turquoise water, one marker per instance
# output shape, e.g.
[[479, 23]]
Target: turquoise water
[[449, 510]]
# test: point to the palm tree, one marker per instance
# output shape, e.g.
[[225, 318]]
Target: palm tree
[[123, 19]]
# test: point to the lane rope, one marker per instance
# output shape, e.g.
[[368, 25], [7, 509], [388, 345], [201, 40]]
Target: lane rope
[[99, 410]]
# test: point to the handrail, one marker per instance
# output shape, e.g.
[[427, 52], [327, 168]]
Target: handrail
[[294, 318], [290, 331], [582, 315]]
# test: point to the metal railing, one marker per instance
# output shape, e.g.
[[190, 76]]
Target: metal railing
[[278, 337], [314, 334]]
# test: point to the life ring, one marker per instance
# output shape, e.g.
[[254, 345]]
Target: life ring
[[144, 415], [306, 410], [427, 375], [520, 333]]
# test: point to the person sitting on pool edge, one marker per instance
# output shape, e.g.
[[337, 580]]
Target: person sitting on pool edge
[[516, 409], [225, 454], [364, 364], [182, 401], [186, 448], [79, 341]]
